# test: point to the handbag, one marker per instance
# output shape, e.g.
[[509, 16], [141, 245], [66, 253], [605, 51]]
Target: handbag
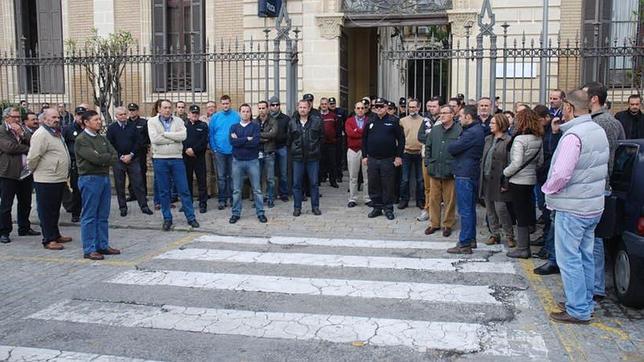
[[505, 180]]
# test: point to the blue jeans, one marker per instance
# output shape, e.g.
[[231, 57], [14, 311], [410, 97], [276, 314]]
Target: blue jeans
[[96, 197], [224, 165], [173, 188], [310, 169], [412, 161], [281, 158], [574, 240], [248, 168], [600, 264], [466, 190], [267, 167], [166, 171], [549, 239]]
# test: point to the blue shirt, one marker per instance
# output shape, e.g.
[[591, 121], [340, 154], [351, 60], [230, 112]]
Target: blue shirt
[[219, 131]]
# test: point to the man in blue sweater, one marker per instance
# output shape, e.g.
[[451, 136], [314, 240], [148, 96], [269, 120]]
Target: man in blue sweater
[[244, 137], [219, 128], [467, 151]]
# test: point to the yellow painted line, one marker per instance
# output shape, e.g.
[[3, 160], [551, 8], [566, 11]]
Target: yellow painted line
[[121, 263], [616, 331], [565, 333]]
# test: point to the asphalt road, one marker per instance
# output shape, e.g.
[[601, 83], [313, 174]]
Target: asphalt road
[[336, 287]]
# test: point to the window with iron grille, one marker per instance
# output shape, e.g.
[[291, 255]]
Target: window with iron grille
[[39, 34], [178, 32]]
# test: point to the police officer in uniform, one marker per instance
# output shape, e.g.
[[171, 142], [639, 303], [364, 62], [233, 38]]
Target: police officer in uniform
[[383, 143], [70, 133], [402, 107], [143, 146], [194, 154]]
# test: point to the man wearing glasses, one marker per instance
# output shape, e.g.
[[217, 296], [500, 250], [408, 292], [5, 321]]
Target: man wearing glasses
[[383, 143], [281, 150]]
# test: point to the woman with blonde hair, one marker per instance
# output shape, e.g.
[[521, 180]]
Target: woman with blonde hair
[[494, 160], [526, 157]]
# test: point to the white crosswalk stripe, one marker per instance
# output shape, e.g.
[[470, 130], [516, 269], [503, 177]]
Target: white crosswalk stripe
[[15, 353], [443, 293], [349, 243], [442, 285], [351, 261]]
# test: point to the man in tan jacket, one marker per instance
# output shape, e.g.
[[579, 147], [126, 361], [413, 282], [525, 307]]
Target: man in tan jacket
[[48, 159], [412, 157]]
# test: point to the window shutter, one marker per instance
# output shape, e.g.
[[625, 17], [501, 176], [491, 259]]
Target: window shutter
[[50, 45], [197, 45], [159, 69]]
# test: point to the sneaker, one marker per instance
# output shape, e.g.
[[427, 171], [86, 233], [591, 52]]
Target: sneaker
[[193, 223], [233, 219], [262, 219], [424, 216]]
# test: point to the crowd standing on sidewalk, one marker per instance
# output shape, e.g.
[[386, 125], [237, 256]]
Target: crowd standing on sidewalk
[[450, 157]]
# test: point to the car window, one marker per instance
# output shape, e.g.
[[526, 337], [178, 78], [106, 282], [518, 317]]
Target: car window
[[625, 157]]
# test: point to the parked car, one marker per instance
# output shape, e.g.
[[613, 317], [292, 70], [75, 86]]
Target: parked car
[[623, 223]]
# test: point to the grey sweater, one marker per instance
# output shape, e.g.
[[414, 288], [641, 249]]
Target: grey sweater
[[614, 132]]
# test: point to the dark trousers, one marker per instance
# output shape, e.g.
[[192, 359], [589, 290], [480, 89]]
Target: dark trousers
[[341, 156], [303, 170], [412, 162], [10, 188], [523, 204], [142, 159], [73, 204], [382, 182], [49, 196], [329, 162], [197, 166], [133, 172]]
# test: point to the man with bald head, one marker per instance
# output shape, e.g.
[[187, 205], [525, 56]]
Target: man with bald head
[[575, 190], [49, 161]]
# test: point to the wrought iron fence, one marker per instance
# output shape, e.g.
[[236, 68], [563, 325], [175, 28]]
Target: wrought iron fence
[[247, 70]]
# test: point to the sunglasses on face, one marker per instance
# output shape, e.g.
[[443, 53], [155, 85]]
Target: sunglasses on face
[[275, 105]]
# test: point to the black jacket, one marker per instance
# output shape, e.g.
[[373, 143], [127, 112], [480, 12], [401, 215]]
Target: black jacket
[[304, 142], [141, 125], [69, 135], [383, 138], [282, 129], [633, 124], [124, 140], [197, 137]]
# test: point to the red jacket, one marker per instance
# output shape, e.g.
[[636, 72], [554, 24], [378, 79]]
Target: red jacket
[[330, 127], [354, 134]]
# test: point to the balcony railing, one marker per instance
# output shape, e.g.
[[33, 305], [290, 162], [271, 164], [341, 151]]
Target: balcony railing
[[394, 7]]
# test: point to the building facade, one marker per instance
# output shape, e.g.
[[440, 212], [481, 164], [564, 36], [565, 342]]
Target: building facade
[[197, 50]]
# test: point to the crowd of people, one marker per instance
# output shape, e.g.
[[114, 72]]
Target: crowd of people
[[555, 158]]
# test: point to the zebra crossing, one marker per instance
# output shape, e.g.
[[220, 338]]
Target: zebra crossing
[[365, 295]]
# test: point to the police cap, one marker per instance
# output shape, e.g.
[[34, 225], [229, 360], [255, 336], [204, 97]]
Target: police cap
[[133, 107], [194, 109]]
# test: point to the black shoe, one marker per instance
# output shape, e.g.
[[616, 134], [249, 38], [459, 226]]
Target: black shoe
[[262, 219], [221, 206], [181, 209], [403, 205], [297, 212], [174, 199], [194, 223], [75, 219], [369, 204], [352, 204], [146, 210], [339, 179], [123, 212], [167, 225], [233, 219], [270, 204], [316, 211], [28, 232], [304, 199], [374, 213], [420, 205], [130, 198], [334, 184], [284, 198], [203, 209], [547, 269], [5, 239], [389, 215]]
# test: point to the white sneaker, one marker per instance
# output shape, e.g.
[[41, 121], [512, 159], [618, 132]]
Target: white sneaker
[[424, 216]]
